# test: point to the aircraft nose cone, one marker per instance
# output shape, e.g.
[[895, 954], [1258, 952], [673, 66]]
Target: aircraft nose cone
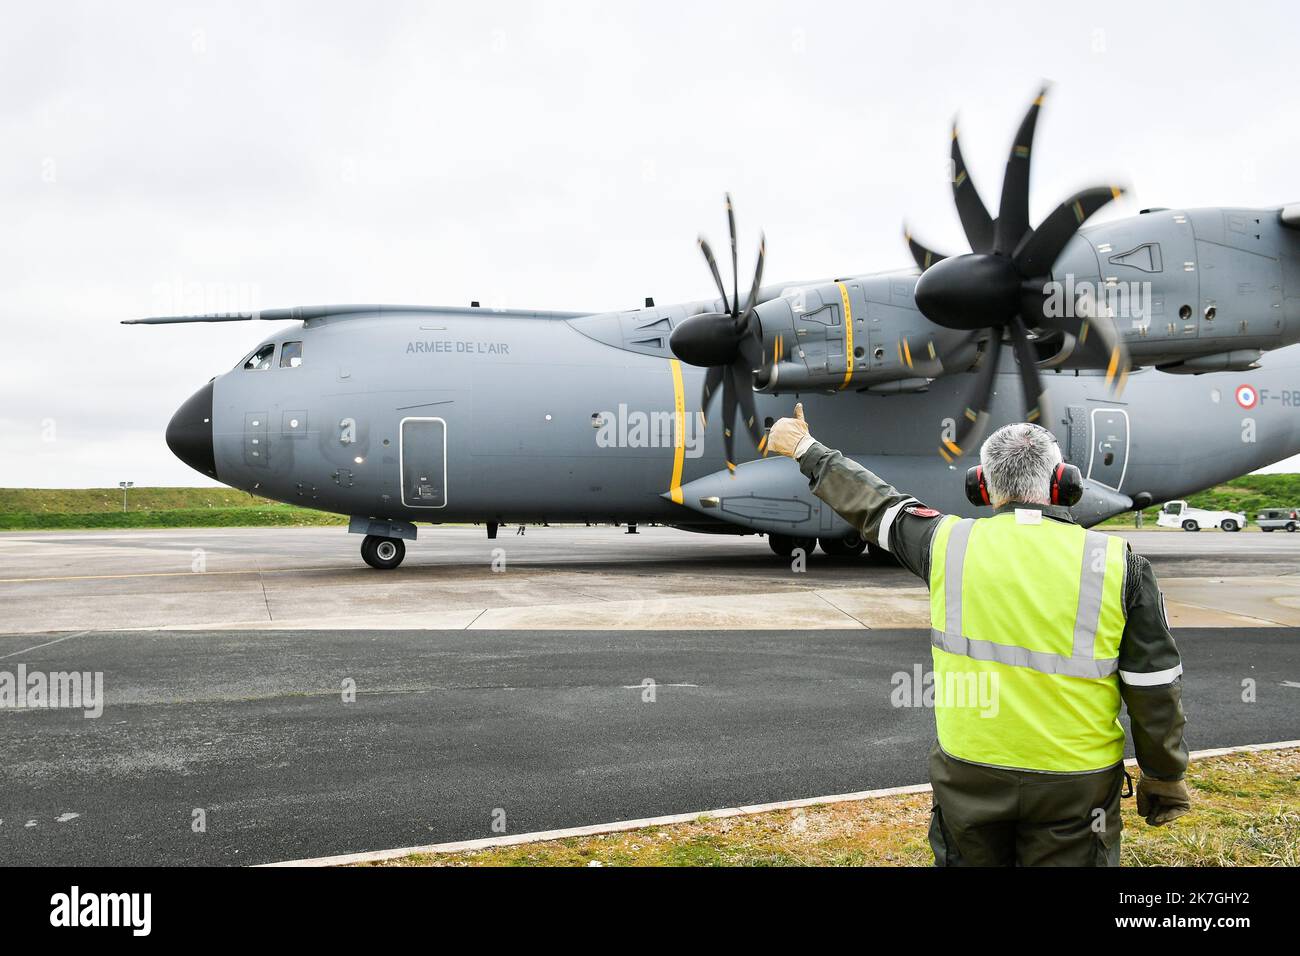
[[189, 433]]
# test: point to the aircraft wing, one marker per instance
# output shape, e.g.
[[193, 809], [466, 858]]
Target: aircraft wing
[[304, 313]]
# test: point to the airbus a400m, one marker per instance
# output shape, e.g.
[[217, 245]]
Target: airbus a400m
[[398, 415]]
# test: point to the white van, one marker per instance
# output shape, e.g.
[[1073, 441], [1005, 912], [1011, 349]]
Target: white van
[[1179, 514]]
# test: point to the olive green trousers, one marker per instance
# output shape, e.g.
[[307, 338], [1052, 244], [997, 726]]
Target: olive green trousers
[[989, 816]]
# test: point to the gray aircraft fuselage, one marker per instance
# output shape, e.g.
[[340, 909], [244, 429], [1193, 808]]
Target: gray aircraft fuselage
[[413, 414]]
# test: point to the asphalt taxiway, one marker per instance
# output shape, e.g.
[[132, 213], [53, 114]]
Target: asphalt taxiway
[[517, 694], [562, 577], [451, 731]]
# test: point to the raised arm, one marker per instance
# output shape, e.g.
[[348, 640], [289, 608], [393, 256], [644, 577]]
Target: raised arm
[[883, 515]]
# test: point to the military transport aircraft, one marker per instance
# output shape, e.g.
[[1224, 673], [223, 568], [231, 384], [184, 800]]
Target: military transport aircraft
[[394, 415]]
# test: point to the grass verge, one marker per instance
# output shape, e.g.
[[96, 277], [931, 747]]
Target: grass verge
[[59, 509], [1246, 812], [268, 515], [36, 509]]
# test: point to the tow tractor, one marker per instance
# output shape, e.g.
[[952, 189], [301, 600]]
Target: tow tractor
[[1179, 514]]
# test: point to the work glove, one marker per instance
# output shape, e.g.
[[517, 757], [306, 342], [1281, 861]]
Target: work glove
[[1162, 800], [789, 436]]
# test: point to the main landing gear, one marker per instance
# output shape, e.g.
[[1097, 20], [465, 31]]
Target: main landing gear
[[382, 553], [783, 545], [384, 544], [849, 546]]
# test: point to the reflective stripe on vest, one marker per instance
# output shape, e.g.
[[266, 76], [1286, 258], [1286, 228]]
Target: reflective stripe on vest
[[1026, 622], [1081, 663]]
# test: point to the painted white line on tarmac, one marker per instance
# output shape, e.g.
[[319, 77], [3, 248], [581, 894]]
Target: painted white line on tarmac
[[541, 836], [57, 640]]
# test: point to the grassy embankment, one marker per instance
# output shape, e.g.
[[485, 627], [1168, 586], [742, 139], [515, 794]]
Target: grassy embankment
[[1246, 813], [1249, 493], [63, 508]]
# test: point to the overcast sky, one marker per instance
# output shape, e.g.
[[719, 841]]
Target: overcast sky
[[172, 157]]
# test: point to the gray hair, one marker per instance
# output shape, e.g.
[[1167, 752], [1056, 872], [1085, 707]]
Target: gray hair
[[1018, 460]]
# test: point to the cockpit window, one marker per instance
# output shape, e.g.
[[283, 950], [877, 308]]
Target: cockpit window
[[291, 355], [261, 359]]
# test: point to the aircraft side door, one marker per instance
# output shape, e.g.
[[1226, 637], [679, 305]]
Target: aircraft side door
[[1108, 459], [423, 452]]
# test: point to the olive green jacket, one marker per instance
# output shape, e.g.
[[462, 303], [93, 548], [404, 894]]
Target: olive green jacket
[[1150, 666]]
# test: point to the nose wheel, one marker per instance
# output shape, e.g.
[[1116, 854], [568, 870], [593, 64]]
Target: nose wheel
[[382, 553]]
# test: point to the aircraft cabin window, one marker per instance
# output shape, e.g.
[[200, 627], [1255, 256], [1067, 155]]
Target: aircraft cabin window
[[260, 360], [291, 355]]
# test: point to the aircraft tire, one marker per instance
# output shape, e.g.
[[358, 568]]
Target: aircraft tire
[[849, 546], [383, 554], [783, 545]]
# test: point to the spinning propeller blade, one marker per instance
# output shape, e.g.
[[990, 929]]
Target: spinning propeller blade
[[729, 344], [1001, 285]]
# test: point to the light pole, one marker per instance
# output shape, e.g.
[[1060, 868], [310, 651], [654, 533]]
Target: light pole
[[125, 485]]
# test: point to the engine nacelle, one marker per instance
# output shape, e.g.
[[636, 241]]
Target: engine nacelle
[[854, 334]]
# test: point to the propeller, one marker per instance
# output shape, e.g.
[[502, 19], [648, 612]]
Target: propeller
[[729, 344], [1000, 288]]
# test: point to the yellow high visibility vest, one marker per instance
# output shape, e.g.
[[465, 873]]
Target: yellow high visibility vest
[[1026, 616]]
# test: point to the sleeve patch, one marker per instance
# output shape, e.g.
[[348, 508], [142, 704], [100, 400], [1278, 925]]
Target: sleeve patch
[[921, 511]]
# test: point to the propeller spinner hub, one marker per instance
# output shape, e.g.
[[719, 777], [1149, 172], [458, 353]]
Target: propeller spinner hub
[[706, 340], [973, 291]]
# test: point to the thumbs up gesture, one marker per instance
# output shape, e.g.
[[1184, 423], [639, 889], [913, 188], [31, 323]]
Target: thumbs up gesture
[[789, 436]]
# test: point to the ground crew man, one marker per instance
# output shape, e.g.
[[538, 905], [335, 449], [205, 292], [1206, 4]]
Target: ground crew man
[[1059, 622]]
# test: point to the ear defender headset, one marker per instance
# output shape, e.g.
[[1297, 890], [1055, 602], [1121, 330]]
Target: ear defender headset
[[1066, 488]]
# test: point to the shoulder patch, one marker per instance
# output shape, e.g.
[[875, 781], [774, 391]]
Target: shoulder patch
[[921, 511]]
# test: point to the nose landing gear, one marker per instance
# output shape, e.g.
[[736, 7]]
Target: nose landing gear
[[382, 553]]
